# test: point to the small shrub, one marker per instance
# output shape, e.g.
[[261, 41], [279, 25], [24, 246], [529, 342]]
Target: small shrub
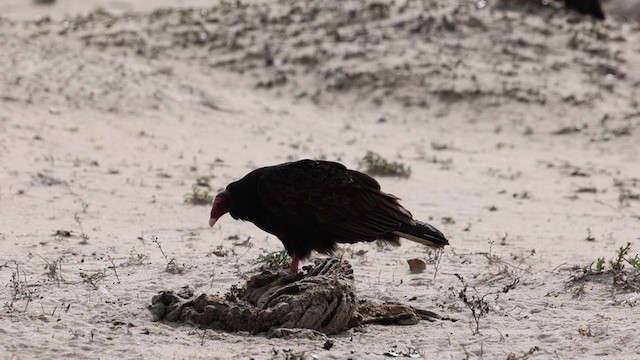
[[198, 196], [599, 266], [172, 264], [621, 275], [618, 263], [635, 262], [374, 164], [203, 181], [275, 260], [448, 220]]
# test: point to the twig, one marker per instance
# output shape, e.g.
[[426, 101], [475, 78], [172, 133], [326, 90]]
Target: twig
[[60, 271], [54, 268], [93, 279], [557, 267], [477, 304], [201, 336], [245, 253], [113, 266], [83, 236], [155, 240], [436, 263]]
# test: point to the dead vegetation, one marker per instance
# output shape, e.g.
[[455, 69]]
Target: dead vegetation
[[524, 356], [20, 289], [84, 238], [113, 267], [479, 304], [53, 269], [63, 233], [625, 192], [481, 292], [172, 264], [44, 178], [93, 278], [136, 259]]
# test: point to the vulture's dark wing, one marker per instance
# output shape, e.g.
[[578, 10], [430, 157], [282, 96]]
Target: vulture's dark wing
[[322, 196]]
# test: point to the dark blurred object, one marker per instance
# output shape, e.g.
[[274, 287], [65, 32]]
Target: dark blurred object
[[628, 9], [589, 7], [44, 2]]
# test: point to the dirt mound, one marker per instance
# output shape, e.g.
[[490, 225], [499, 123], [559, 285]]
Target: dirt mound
[[409, 53], [322, 299]]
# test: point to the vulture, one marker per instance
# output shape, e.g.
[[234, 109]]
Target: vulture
[[313, 205]]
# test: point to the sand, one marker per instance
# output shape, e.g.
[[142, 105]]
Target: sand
[[519, 122]]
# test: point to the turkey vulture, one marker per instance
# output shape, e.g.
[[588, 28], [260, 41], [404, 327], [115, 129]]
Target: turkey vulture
[[312, 205]]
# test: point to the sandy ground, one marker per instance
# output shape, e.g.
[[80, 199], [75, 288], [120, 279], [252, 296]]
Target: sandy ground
[[519, 122]]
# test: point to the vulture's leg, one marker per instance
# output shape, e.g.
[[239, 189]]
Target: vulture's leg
[[294, 264]]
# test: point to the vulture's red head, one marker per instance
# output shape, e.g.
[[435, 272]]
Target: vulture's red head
[[221, 206]]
